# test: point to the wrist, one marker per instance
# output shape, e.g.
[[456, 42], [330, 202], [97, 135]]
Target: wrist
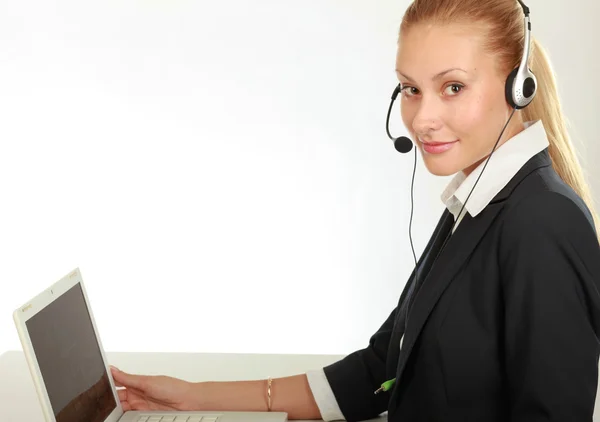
[[232, 396], [197, 396]]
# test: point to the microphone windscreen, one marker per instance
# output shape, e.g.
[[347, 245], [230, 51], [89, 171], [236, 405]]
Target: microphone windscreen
[[403, 144]]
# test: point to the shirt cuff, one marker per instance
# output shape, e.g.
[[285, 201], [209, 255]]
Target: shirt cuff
[[323, 394]]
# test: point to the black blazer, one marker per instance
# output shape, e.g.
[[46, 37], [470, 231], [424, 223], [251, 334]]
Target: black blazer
[[506, 323]]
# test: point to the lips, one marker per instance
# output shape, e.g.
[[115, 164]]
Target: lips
[[434, 147]]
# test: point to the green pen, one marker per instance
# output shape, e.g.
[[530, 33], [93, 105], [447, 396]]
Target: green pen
[[386, 386]]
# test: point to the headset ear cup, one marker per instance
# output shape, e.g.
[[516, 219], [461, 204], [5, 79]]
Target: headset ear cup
[[530, 86], [509, 88], [521, 95]]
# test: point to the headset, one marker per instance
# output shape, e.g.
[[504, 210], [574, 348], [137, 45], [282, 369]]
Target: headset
[[520, 89], [521, 84]]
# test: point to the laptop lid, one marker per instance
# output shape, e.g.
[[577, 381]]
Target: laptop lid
[[65, 355]]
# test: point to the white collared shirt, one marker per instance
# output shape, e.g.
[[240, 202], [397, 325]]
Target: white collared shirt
[[504, 164]]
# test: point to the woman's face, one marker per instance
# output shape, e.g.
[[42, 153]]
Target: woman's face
[[452, 98]]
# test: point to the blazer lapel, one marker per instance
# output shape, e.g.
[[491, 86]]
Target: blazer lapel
[[458, 248]]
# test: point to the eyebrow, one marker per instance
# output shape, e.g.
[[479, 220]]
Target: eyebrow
[[439, 75]]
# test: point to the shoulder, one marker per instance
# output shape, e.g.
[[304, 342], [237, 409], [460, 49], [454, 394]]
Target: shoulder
[[542, 200], [547, 215]]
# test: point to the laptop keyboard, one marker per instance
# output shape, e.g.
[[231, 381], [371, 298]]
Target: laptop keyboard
[[178, 418]]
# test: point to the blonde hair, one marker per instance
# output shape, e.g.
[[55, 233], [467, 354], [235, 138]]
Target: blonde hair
[[503, 21]]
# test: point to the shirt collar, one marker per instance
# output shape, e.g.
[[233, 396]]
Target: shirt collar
[[505, 162]]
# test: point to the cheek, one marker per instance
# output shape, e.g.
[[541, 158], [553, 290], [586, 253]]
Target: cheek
[[472, 119], [408, 114]]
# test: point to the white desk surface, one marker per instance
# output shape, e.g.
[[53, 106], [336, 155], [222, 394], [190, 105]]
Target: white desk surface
[[19, 402]]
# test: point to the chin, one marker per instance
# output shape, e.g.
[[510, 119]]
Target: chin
[[440, 166]]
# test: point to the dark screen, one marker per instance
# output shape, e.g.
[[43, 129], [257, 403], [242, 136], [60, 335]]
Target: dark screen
[[69, 357]]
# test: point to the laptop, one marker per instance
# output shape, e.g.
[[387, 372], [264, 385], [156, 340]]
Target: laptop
[[69, 367]]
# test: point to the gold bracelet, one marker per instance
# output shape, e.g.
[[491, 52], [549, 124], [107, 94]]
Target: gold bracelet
[[269, 382]]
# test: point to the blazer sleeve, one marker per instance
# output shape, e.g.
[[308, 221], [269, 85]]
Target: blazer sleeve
[[550, 269], [355, 378]]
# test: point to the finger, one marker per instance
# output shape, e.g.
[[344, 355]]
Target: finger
[[130, 400], [114, 371], [117, 383], [126, 406], [135, 400], [123, 379], [123, 398]]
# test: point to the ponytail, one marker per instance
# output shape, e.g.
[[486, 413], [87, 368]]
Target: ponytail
[[546, 107]]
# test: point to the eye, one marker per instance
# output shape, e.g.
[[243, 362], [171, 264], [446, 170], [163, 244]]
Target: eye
[[453, 89], [409, 91]]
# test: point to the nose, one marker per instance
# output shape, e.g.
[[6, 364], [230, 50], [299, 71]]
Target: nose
[[427, 119]]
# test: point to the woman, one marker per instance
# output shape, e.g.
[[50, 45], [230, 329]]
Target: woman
[[503, 323]]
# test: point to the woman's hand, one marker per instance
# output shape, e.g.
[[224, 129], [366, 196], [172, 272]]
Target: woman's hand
[[144, 392]]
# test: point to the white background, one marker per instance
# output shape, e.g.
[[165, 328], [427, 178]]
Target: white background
[[219, 171]]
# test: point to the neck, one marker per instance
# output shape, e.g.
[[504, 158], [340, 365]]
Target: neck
[[514, 127]]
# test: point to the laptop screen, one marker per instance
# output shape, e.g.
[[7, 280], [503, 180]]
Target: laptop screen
[[70, 361]]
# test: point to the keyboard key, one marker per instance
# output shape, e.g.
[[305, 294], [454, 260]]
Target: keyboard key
[[195, 419], [155, 419], [168, 419], [210, 419], [181, 419], [143, 419]]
